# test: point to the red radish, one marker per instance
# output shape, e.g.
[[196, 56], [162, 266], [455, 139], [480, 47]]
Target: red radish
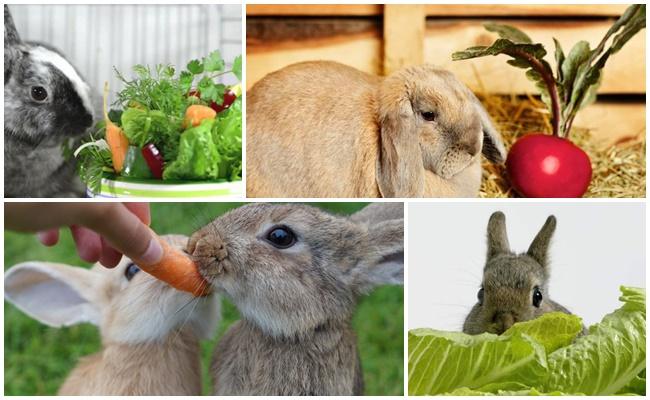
[[154, 160], [541, 165], [228, 98]]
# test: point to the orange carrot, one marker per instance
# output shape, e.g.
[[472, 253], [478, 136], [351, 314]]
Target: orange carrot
[[197, 113], [178, 270], [117, 141]]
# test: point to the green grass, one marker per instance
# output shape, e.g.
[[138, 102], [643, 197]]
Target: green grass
[[38, 358]]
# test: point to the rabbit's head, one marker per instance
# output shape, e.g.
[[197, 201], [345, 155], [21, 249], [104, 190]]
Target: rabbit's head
[[128, 305], [46, 100], [515, 286], [292, 269], [429, 120]]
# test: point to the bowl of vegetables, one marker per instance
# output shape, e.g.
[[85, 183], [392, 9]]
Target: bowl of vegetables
[[168, 134]]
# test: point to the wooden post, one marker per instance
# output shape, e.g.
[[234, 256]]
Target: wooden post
[[403, 36]]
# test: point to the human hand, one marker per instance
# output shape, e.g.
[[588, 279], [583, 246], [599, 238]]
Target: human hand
[[101, 231]]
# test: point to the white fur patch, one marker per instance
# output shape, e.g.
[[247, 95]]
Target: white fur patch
[[43, 55]]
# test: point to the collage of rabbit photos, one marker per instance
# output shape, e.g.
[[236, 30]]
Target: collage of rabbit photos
[[275, 199]]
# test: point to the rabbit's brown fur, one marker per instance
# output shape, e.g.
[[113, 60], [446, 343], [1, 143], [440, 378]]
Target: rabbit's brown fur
[[323, 129], [510, 280], [295, 337]]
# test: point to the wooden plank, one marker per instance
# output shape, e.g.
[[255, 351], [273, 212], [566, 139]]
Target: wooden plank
[[314, 10], [623, 74], [611, 121], [527, 10], [438, 10], [362, 51], [403, 36]]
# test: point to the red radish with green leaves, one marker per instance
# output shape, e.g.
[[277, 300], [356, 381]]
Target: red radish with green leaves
[[542, 165]]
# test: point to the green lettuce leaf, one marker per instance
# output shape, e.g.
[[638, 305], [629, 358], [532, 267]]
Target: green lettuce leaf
[[545, 356], [227, 135], [198, 156], [551, 330], [609, 357], [440, 362], [151, 126]]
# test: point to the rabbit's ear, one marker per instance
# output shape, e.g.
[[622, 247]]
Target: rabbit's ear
[[493, 148], [54, 294], [400, 169], [377, 212], [383, 261], [538, 249], [497, 235], [12, 40]]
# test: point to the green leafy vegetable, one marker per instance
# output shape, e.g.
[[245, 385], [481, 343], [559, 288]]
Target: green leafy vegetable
[[198, 156], [152, 126], [227, 136], [543, 356], [577, 75]]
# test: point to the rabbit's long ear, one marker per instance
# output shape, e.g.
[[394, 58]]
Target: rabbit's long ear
[[377, 212], [382, 262], [400, 169], [54, 294], [497, 235], [538, 249], [493, 147], [12, 37], [12, 40]]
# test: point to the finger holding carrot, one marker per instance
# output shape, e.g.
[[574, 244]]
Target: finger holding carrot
[[101, 231]]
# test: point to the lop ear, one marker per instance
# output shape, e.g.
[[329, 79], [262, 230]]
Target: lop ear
[[54, 294], [12, 40], [497, 235], [493, 147], [538, 249], [400, 169], [382, 261]]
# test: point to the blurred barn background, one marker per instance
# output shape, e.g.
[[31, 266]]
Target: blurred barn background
[[96, 38], [381, 38]]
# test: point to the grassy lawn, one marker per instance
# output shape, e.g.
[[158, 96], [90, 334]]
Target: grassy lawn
[[38, 358]]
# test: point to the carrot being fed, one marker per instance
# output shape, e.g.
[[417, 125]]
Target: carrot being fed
[[178, 270], [117, 141]]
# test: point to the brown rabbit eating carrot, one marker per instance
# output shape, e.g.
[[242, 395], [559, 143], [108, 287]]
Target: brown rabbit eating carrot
[[295, 274], [323, 129]]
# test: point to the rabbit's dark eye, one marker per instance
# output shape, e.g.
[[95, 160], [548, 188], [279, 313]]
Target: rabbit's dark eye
[[537, 297], [130, 271], [429, 116], [480, 296], [281, 237], [39, 93]]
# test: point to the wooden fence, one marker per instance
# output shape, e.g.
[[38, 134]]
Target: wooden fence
[[382, 38]]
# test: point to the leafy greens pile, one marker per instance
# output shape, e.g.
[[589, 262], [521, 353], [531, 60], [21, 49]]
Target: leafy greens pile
[[151, 112], [543, 356]]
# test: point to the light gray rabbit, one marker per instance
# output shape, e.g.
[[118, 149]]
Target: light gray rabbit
[[46, 103], [515, 286], [295, 273]]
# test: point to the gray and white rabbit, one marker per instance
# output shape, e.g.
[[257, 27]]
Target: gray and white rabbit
[[295, 273], [46, 103], [515, 286]]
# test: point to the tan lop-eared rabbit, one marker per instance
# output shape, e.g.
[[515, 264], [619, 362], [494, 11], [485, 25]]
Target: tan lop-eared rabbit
[[323, 129], [150, 332], [295, 273]]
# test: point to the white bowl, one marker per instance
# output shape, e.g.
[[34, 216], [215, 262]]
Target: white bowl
[[121, 187]]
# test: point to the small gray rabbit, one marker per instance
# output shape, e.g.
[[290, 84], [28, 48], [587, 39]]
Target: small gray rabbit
[[46, 103], [295, 273], [515, 286]]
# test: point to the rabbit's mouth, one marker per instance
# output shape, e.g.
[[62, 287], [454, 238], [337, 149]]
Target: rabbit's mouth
[[210, 255], [453, 163]]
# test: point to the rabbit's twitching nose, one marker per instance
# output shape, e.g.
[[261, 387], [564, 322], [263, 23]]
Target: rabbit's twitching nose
[[471, 146], [503, 321]]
